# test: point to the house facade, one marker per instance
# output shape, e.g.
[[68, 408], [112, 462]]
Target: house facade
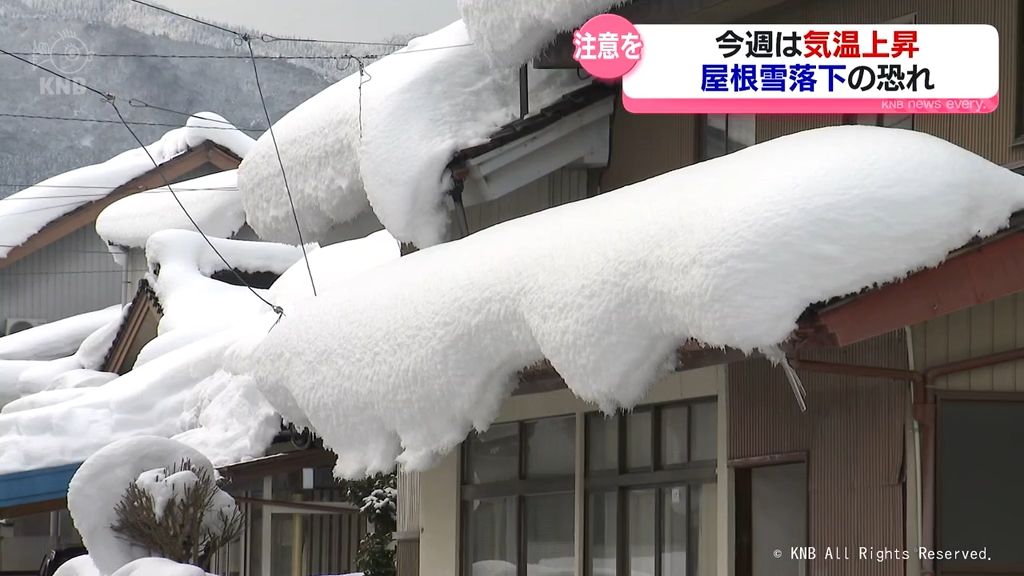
[[66, 269], [912, 397]]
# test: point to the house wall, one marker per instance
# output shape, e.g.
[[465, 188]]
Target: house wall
[[559, 187], [439, 487], [985, 329], [852, 436], [72, 276], [989, 135]]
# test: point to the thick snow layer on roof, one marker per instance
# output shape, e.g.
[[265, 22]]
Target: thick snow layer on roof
[[55, 339], [19, 379], [159, 567], [26, 212], [213, 201], [318, 143], [187, 383], [101, 481], [511, 33], [78, 566], [404, 362], [423, 104], [333, 266], [189, 298]]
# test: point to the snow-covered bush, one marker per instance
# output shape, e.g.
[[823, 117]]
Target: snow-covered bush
[[377, 498], [98, 491], [179, 514]]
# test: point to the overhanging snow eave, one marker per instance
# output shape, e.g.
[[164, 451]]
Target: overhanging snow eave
[[980, 272]]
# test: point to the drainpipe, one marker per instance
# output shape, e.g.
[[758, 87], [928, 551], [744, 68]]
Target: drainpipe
[[914, 566]]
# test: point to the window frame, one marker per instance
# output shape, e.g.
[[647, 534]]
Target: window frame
[[960, 396], [703, 135], [620, 480], [519, 488]]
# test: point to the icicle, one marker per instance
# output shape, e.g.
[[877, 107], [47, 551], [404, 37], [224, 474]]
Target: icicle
[[777, 357]]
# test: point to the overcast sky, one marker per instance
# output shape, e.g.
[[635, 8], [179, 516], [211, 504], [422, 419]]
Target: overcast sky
[[361, 20]]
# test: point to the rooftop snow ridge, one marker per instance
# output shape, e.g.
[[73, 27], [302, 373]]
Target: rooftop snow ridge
[[609, 287]]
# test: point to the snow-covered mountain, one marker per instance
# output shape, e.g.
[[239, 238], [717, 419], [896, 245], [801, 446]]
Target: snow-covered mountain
[[33, 149]]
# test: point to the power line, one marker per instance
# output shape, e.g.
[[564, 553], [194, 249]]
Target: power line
[[133, 123], [103, 95], [108, 189], [173, 13], [280, 162], [267, 38], [195, 224], [192, 56], [110, 99], [65, 272], [242, 38]]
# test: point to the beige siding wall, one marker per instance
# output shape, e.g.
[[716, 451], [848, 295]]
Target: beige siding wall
[[978, 331], [989, 135]]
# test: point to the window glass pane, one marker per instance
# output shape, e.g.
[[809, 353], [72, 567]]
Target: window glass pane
[[490, 533], [550, 446], [705, 430], [549, 534], [601, 530], [674, 514], [638, 440], [494, 454], [703, 541], [714, 136], [740, 131], [903, 121], [868, 119], [778, 512], [602, 442], [641, 532], [980, 465], [674, 435]]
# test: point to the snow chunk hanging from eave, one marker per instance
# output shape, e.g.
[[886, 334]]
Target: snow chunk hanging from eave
[[438, 100], [730, 252], [511, 33], [213, 201], [420, 106], [26, 212]]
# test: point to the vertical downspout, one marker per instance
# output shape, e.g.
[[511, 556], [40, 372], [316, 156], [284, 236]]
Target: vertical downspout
[[925, 420], [914, 564], [524, 91]]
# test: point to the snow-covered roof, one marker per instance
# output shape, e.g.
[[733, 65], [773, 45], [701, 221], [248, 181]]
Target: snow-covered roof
[[213, 201], [511, 33], [389, 150], [405, 362], [188, 382], [27, 212], [55, 339]]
